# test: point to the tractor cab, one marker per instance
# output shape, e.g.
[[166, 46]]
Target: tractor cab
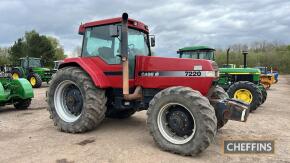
[[197, 52], [30, 62]]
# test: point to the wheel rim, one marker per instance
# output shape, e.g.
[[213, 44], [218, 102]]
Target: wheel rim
[[32, 81], [15, 76], [244, 95], [68, 101], [176, 123]]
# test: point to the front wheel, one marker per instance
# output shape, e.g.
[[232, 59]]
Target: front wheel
[[75, 104], [181, 120], [264, 94]]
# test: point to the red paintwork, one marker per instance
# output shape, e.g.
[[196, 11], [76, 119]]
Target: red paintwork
[[95, 67], [146, 63], [141, 26]]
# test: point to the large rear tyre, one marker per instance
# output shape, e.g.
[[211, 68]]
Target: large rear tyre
[[16, 73], [75, 104], [181, 121], [35, 80], [247, 92], [219, 93], [117, 114], [22, 104]]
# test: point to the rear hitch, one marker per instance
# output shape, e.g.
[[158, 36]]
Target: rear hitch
[[231, 109]]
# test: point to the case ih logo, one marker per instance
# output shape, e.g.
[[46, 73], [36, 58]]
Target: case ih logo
[[248, 147]]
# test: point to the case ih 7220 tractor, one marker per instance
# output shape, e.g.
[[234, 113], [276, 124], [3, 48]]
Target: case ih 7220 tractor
[[117, 76]]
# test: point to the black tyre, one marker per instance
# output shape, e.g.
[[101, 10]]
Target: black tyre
[[16, 73], [220, 93], [181, 120], [117, 114], [75, 104], [264, 94], [35, 80], [22, 104], [247, 92]]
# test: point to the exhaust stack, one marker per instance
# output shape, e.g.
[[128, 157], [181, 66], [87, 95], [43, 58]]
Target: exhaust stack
[[228, 53], [245, 53], [125, 63]]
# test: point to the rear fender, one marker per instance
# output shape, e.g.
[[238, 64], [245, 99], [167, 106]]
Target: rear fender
[[99, 78]]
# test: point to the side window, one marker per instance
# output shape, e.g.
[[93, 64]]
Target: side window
[[98, 42]]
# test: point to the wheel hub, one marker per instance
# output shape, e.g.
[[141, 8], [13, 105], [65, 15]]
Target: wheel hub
[[176, 123], [68, 101], [180, 122], [73, 100], [244, 95]]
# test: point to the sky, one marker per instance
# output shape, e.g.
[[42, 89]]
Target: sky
[[175, 23]]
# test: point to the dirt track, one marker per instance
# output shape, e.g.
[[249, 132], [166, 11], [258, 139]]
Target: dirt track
[[30, 136]]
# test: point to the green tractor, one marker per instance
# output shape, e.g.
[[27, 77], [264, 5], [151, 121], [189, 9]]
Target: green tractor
[[15, 91], [240, 83], [32, 69]]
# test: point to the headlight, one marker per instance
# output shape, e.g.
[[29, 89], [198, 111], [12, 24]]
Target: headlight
[[212, 74]]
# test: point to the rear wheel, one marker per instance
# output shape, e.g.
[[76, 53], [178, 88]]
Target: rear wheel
[[75, 104], [220, 93], [123, 114], [35, 80], [181, 120], [22, 104], [16, 73], [247, 92]]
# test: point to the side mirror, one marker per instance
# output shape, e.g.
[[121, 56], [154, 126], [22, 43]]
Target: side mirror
[[152, 40], [114, 31]]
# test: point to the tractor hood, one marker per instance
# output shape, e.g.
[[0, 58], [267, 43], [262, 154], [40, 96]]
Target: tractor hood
[[239, 71]]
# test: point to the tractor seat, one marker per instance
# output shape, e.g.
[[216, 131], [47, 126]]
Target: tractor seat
[[107, 54]]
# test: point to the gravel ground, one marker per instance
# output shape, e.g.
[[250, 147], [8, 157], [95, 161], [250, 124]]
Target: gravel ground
[[30, 136]]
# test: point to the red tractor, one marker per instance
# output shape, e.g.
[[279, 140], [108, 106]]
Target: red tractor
[[117, 76]]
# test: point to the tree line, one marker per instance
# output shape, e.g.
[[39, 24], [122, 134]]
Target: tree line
[[269, 54], [32, 44]]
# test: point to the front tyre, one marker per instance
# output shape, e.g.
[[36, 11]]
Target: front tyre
[[75, 104], [264, 94], [181, 120]]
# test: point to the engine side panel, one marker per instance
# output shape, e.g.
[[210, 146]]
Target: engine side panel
[[160, 72]]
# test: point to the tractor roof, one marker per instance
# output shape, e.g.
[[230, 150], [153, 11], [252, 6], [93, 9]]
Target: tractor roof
[[131, 23], [194, 48]]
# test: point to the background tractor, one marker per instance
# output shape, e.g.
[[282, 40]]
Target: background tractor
[[32, 69], [240, 83], [17, 92], [115, 76]]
